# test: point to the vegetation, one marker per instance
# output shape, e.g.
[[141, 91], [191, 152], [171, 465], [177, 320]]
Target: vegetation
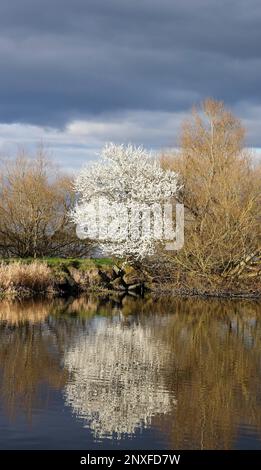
[[117, 194], [83, 263], [35, 200], [17, 277], [57, 276], [53, 276], [222, 196], [211, 174]]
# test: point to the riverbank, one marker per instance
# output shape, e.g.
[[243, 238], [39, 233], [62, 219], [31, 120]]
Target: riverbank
[[232, 293], [62, 277]]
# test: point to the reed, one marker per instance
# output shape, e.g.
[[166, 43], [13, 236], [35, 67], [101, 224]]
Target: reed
[[17, 276]]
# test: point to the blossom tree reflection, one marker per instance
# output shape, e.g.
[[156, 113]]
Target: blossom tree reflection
[[118, 384]]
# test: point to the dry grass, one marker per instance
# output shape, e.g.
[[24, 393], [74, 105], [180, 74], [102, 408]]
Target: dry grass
[[17, 276]]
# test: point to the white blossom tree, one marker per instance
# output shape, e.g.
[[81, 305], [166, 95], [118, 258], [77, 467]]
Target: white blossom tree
[[120, 188]]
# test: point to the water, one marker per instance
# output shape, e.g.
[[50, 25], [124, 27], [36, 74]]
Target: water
[[128, 373]]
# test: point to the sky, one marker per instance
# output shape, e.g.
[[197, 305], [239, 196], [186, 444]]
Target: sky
[[75, 74]]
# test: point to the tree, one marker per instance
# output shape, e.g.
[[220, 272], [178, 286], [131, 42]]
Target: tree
[[118, 190], [35, 200], [221, 192]]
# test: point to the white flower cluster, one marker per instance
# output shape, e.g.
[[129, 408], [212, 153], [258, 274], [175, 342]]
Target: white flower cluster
[[129, 181]]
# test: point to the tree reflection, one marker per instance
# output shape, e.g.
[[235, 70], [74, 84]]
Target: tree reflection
[[216, 371], [29, 356], [189, 367], [33, 337], [117, 385]]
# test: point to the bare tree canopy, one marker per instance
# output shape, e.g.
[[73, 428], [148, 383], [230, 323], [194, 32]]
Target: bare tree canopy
[[221, 192], [35, 199]]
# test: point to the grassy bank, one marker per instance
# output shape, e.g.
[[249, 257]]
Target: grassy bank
[[58, 277], [82, 263], [52, 276]]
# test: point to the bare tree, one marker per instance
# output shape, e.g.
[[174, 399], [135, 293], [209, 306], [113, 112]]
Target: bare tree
[[35, 200], [221, 193]]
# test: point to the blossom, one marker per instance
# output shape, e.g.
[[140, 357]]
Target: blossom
[[128, 181]]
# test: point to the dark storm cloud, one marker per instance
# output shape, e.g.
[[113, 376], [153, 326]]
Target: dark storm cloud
[[70, 59]]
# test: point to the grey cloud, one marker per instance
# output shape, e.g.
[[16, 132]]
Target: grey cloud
[[63, 60]]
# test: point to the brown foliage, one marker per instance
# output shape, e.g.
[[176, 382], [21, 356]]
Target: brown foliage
[[34, 209], [221, 193]]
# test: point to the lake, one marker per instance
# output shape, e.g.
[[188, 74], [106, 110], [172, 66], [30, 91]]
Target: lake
[[130, 373]]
